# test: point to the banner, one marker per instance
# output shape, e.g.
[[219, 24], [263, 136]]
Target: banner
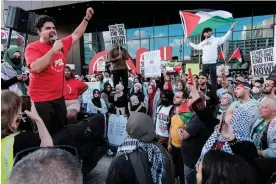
[[262, 61], [87, 95], [152, 63], [117, 34], [116, 129]]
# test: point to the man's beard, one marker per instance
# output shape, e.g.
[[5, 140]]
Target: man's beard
[[267, 92], [177, 103]]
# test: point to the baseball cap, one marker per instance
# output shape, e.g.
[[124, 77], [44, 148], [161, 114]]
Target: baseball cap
[[240, 80]]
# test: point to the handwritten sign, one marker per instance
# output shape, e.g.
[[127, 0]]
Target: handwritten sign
[[116, 129], [152, 63], [262, 61], [117, 34]]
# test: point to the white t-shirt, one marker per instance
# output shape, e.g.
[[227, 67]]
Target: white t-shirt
[[162, 121]]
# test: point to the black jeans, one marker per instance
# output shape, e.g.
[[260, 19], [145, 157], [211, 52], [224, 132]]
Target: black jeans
[[178, 163], [53, 113], [212, 70], [123, 75]]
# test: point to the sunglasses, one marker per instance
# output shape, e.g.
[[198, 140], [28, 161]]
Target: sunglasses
[[97, 92], [26, 152]]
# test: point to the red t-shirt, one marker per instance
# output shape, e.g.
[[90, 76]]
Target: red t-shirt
[[72, 88], [49, 84]]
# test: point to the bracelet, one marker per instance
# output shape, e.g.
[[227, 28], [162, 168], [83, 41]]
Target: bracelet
[[86, 19]]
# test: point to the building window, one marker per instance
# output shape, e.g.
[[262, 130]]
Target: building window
[[177, 46], [175, 30]]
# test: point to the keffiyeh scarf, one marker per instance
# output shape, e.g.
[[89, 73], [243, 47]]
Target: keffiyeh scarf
[[241, 123], [155, 157]]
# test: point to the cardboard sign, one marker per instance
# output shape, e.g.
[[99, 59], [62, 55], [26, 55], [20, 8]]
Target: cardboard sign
[[116, 129], [262, 61], [117, 34], [152, 63]]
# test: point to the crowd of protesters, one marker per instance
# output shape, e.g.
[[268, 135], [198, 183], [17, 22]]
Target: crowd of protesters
[[181, 129]]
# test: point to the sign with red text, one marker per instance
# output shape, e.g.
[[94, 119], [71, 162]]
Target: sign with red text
[[152, 63]]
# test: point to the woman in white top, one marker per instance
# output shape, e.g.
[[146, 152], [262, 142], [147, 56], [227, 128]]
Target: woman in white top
[[96, 104]]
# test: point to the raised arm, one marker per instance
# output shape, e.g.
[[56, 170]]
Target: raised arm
[[82, 27], [45, 137], [225, 37]]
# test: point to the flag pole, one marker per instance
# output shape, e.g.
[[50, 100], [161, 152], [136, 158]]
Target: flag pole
[[183, 25]]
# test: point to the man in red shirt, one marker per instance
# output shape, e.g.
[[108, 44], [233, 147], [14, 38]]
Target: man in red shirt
[[46, 59]]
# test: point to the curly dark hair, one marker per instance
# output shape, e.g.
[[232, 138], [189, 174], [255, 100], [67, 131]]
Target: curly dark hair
[[41, 20]]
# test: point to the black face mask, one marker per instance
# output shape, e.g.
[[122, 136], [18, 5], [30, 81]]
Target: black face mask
[[16, 61], [164, 101]]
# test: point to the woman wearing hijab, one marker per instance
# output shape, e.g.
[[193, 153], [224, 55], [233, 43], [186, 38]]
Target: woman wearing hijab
[[157, 165], [108, 97], [12, 69], [225, 102], [136, 100], [120, 100], [151, 94], [240, 121], [96, 105]]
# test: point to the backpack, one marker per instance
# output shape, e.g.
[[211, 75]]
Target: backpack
[[139, 160]]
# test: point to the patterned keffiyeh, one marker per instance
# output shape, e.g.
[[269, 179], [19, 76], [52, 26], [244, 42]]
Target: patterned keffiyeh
[[241, 123], [155, 157]]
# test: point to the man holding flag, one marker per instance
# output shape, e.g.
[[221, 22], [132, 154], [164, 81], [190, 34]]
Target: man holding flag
[[209, 47]]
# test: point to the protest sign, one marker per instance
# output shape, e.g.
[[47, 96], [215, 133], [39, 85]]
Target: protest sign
[[72, 66], [152, 63], [116, 129], [100, 65], [262, 61], [117, 34]]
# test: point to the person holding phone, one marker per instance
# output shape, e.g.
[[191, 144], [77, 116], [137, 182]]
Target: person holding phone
[[13, 76], [12, 139]]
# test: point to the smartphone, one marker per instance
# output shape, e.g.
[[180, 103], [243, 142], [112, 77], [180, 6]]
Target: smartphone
[[190, 73], [26, 103]]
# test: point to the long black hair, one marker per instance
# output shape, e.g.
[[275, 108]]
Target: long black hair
[[219, 167], [97, 101]]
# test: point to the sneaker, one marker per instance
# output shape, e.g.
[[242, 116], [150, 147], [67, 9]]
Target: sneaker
[[109, 152]]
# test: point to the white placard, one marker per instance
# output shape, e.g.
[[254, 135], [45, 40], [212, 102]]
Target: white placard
[[117, 34], [116, 129], [152, 63], [262, 61], [87, 95], [100, 66], [72, 66]]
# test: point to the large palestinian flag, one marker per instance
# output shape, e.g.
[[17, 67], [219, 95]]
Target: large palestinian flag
[[194, 21]]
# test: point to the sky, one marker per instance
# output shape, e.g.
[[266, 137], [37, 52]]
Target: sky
[[172, 35]]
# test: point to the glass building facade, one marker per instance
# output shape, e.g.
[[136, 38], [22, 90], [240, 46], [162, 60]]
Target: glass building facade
[[250, 33]]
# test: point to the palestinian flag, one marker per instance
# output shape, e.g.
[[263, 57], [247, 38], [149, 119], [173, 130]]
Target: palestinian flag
[[221, 57], [194, 21], [236, 55]]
